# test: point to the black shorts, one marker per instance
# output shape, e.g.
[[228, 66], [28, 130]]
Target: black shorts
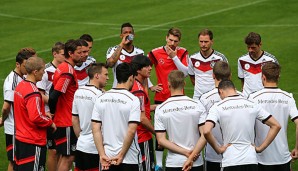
[[86, 161], [147, 155], [197, 168], [50, 139], [65, 140], [9, 146], [212, 166], [247, 167], [124, 167], [29, 156], [281, 167]]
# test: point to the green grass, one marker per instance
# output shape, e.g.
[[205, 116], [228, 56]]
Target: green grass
[[40, 24]]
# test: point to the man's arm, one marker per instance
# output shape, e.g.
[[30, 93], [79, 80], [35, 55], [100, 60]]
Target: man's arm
[[294, 153], [131, 131], [273, 131], [211, 139], [98, 140], [5, 112], [111, 61], [173, 55], [146, 123], [164, 142], [76, 124], [195, 153], [44, 97], [53, 100]]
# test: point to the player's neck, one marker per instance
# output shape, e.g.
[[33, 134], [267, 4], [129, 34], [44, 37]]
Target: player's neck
[[55, 63], [31, 78], [270, 84], [207, 53], [18, 72], [128, 47], [140, 79], [176, 92]]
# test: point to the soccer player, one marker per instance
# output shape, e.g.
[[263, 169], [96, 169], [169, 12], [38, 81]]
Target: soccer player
[[10, 83], [281, 104], [61, 96], [124, 52], [165, 59], [31, 121], [221, 71], [115, 117], [145, 130], [178, 113], [87, 60], [86, 157], [44, 87], [250, 64], [201, 63], [236, 117]]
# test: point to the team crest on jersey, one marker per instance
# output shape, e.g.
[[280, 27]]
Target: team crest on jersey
[[246, 66], [161, 61], [122, 57], [197, 64]]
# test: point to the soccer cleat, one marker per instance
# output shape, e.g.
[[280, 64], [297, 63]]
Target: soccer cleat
[[158, 168]]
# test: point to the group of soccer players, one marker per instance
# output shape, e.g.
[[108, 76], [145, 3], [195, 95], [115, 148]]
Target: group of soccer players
[[62, 107]]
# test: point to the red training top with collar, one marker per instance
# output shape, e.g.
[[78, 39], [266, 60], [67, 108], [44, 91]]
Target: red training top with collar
[[163, 66], [30, 120], [65, 81], [139, 91]]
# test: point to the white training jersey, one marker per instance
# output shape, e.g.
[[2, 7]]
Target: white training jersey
[[124, 57], [202, 69], [46, 82], [237, 117], [281, 105], [208, 99], [176, 114], [82, 106], [251, 71], [10, 83], [115, 109], [81, 71]]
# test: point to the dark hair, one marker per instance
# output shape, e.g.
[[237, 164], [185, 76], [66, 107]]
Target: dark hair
[[205, 32], [58, 46], [123, 72], [175, 32], [221, 70], [83, 42], [87, 37], [95, 68], [226, 84], [253, 38], [140, 61], [72, 45], [126, 25], [24, 54], [271, 70]]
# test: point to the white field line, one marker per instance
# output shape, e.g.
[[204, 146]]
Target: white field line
[[8, 58]]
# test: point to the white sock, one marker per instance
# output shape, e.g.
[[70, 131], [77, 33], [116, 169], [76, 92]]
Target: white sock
[[158, 157]]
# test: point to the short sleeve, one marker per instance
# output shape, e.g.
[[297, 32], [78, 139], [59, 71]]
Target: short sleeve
[[110, 51], [213, 115], [293, 109], [74, 105], [97, 113], [263, 115], [158, 124], [203, 113], [135, 112]]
